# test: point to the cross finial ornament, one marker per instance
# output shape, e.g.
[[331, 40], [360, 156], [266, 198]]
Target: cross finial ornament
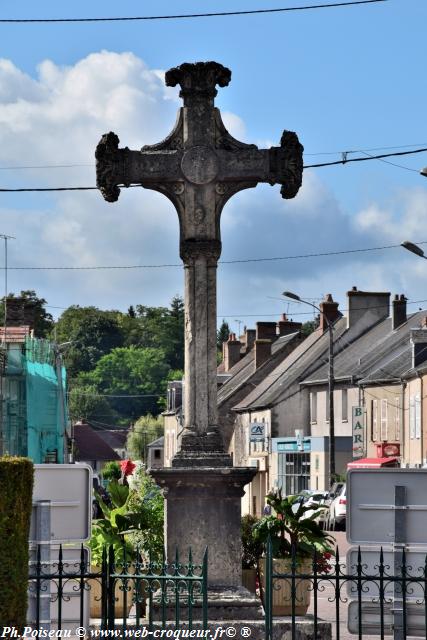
[[199, 166]]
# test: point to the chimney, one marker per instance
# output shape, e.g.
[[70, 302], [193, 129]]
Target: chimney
[[366, 308], [398, 314], [14, 312], [285, 326], [231, 352], [266, 331], [262, 351], [419, 346], [329, 312], [249, 339]]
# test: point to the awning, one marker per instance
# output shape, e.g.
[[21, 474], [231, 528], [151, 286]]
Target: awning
[[373, 463]]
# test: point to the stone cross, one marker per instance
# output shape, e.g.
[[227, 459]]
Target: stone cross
[[199, 166]]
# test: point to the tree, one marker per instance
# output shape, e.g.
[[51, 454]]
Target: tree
[[158, 327], [145, 430], [133, 378], [93, 333], [222, 336], [310, 326], [34, 312], [85, 403]]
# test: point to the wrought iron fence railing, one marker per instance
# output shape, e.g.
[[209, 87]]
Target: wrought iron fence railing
[[363, 598], [124, 591]]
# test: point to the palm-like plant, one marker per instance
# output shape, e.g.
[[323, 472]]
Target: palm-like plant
[[291, 533]]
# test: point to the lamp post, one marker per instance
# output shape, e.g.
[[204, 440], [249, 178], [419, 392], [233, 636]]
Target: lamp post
[[423, 172], [331, 383], [414, 248]]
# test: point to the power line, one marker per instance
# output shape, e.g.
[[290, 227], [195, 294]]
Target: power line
[[344, 160], [318, 153], [237, 261], [334, 153], [189, 15]]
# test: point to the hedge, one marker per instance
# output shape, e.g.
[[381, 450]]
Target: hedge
[[16, 489]]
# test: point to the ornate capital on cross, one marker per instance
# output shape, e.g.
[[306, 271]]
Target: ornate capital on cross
[[198, 80]]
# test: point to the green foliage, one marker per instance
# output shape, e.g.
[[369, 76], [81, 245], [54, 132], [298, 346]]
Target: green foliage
[[251, 547], [290, 530], [92, 332], [148, 500], [222, 336], [145, 430], [34, 306], [111, 471], [157, 328], [309, 326], [85, 403], [133, 521], [130, 371], [16, 486]]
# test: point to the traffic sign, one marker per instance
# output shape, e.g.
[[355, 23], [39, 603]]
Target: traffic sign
[[67, 488], [372, 511]]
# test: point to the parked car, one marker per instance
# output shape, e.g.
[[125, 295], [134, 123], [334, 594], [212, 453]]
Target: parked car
[[338, 510], [319, 501]]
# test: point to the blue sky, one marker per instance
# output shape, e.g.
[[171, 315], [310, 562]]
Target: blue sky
[[343, 78]]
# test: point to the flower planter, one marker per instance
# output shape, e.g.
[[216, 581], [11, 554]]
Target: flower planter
[[249, 579], [96, 595], [282, 588]]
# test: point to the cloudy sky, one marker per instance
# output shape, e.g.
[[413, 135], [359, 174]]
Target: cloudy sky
[[346, 79]]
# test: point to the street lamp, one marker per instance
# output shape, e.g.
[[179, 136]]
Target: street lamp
[[414, 248], [331, 381], [424, 172]]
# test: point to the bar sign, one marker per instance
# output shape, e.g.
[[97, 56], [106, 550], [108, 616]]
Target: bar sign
[[358, 429]]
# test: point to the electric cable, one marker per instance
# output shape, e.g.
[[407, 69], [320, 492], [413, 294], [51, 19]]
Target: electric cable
[[344, 160], [237, 261], [188, 15]]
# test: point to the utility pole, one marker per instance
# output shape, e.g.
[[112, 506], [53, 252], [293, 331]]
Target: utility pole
[[3, 348]]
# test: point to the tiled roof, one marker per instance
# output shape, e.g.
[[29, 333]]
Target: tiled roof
[[14, 334], [90, 446], [244, 370], [115, 438], [380, 354], [305, 360]]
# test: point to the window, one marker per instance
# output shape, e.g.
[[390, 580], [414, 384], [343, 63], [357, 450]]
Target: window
[[157, 453], [417, 416], [384, 430], [313, 407], [374, 420], [412, 417], [344, 405], [397, 419]]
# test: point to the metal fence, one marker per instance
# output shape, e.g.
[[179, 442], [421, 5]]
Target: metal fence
[[138, 591], [369, 599]]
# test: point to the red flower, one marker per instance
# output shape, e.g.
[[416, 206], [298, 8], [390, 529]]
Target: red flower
[[127, 467]]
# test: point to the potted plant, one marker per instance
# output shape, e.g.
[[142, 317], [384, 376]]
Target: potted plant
[[251, 551], [127, 524], [296, 541]]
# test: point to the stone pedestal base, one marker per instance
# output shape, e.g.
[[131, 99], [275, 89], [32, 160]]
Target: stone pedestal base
[[231, 604], [203, 510]]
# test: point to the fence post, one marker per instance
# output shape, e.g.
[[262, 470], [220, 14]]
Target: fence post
[[205, 589], [111, 587], [268, 595]]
